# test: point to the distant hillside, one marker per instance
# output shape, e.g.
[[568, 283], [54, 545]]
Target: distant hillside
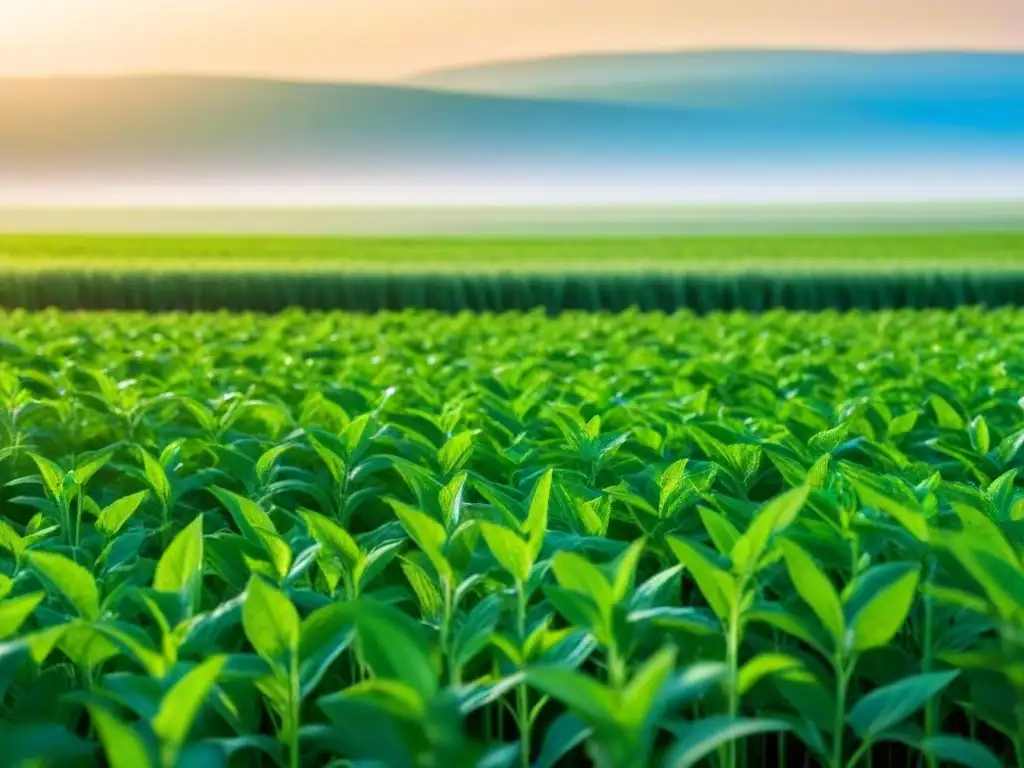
[[744, 78], [674, 119]]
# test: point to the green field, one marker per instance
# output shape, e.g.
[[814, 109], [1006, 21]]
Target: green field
[[699, 254], [417, 539]]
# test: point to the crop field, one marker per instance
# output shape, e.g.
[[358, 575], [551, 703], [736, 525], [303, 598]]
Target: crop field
[[422, 539], [934, 251], [806, 272]]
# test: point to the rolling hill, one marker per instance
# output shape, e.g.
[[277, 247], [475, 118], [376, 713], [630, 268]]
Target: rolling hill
[[672, 120]]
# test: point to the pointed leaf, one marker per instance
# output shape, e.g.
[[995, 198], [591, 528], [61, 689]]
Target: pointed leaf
[[180, 568], [123, 745], [73, 581], [14, 612], [511, 552], [700, 738], [775, 516], [815, 589], [270, 621], [891, 704], [536, 525], [182, 703], [885, 610], [117, 514]]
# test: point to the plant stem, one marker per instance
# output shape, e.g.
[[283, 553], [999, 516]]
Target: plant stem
[[296, 696], [522, 694], [839, 720], [861, 750], [931, 708], [454, 673], [732, 647], [78, 517]]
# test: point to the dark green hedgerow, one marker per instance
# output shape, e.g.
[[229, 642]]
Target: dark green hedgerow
[[418, 540], [262, 291]]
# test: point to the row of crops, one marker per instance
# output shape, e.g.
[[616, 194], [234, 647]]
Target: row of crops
[[152, 289], [422, 539]]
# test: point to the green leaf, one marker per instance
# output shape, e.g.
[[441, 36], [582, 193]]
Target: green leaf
[[11, 541], [890, 594], [72, 580], [536, 524], [270, 621], [84, 472], [265, 463], [764, 665], [828, 440], [428, 534], [984, 532], [14, 612], [700, 738], [625, 570], [945, 414], [815, 589], [592, 702], [563, 735], [157, 478], [124, 747], [394, 648], [180, 568], [1002, 581], [42, 642], [579, 609], [717, 585], [902, 424], [454, 454], [873, 494], [724, 534], [427, 593], [53, 476], [247, 514], [323, 637], [780, 618], [182, 703], [86, 646], [117, 514], [27, 745], [670, 482], [449, 499], [335, 464], [642, 691], [890, 705], [277, 550], [978, 432], [511, 552], [775, 516], [334, 540], [475, 632], [953, 749], [12, 656], [577, 574]]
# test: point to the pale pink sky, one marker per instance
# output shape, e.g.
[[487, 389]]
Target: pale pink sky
[[388, 39]]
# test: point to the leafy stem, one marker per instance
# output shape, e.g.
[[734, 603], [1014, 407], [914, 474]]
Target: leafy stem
[[454, 673], [732, 652], [931, 711], [843, 666], [522, 694], [295, 699]]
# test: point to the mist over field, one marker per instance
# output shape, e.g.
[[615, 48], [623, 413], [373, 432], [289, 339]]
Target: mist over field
[[645, 129]]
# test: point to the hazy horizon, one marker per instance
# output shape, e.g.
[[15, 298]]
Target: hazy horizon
[[495, 102]]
